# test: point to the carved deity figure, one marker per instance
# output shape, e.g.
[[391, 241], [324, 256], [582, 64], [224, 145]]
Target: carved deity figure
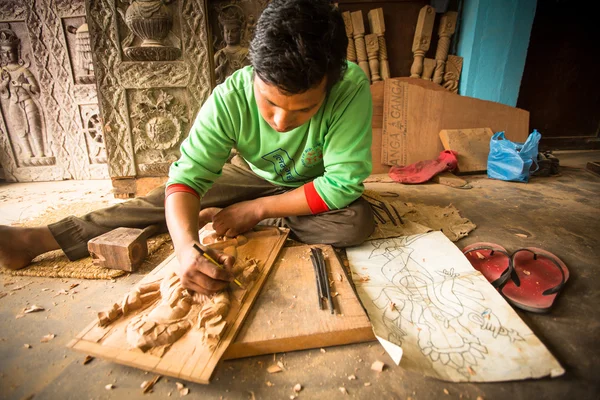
[[19, 86], [233, 56]]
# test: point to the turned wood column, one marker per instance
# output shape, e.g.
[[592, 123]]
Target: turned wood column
[[358, 27], [446, 30], [351, 50], [372, 53], [422, 39], [377, 26]]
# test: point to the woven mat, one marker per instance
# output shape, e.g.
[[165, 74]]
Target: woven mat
[[55, 264], [396, 218]]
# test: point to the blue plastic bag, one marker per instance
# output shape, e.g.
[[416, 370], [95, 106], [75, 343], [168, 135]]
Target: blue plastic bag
[[511, 161]]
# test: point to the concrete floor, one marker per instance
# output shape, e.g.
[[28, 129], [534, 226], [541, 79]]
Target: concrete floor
[[561, 214]]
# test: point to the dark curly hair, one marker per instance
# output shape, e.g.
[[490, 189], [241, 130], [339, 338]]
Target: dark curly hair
[[299, 42]]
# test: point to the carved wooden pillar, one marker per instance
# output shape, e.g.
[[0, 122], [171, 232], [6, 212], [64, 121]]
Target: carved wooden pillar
[[49, 120], [372, 52], [422, 39], [351, 51], [377, 25], [358, 28], [152, 60], [446, 30], [428, 67]]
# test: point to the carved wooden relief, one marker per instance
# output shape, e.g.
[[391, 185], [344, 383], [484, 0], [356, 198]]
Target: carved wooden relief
[[232, 25], [152, 62], [47, 93]]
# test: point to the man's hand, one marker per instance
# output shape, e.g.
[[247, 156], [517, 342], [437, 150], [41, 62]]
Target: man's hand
[[199, 274], [238, 218]]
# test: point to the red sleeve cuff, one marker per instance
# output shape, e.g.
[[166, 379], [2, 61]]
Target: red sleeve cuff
[[315, 202], [180, 187]]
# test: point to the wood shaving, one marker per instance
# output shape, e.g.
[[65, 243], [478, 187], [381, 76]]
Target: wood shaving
[[521, 235], [48, 338], [340, 277], [343, 390], [293, 396], [3, 294], [74, 285], [269, 383], [377, 366], [148, 385], [27, 346], [479, 255], [273, 369], [323, 351], [109, 386], [179, 385], [392, 306], [280, 364], [471, 371], [33, 308], [335, 294], [184, 392], [352, 377], [297, 388], [20, 287], [479, 398], [87, 359], [61, 291], [526, 272], [367, 384], [446, 391], [45, 289]]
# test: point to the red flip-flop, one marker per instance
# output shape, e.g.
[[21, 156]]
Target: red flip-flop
[[537, 279], [492, 260]]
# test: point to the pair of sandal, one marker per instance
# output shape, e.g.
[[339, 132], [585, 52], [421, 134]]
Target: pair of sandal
[[529, 278]]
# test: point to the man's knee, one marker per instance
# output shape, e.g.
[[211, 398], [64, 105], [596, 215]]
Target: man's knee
[[361, 225]]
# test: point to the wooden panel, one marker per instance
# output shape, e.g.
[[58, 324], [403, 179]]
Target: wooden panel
[[187, 358], [416, 110], [377, 94], [286, 316], [472, 145]]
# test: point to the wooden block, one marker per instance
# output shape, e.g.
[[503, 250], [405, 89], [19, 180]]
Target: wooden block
[[472, 145], [287, 317], [121, 248], [376, 22], [424, 29], [377, 95], [416, 110], [428, 68], [452, 73]]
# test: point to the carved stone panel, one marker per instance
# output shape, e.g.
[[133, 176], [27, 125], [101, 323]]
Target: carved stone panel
[[46, 76], [152, 59]]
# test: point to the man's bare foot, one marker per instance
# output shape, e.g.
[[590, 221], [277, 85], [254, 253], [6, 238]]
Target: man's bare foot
[[19, 246], [206, 215]]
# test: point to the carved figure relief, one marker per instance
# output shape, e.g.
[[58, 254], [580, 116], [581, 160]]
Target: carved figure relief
[[84, 68], [159, 122], [152, 22], [173, 310], [234, 55], [19, 89]]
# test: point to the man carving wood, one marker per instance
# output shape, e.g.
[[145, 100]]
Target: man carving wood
[[300, 118]]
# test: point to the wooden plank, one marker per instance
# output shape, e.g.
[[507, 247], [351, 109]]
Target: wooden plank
[[188, 358], [416, 110], [472, 145], [286, 316]]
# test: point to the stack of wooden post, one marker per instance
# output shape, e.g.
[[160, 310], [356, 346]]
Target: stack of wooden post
[[444, 69], [368, 51]]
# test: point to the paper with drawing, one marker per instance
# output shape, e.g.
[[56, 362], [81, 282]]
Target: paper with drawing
[[422, 294]]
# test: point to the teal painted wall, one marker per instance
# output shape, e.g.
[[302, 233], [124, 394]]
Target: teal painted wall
[[493, 41]]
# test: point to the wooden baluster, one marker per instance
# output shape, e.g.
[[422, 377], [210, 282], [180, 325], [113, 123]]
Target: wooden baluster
[[422, 39], [446, 30], [359, 41], [351, 51], [377, 25], [372, 52]]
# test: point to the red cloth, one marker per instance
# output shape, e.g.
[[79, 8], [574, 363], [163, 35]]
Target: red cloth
[[180, 187], [423, 171], [315, 202]]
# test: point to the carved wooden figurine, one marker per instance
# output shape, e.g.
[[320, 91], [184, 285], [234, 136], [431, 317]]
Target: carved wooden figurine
[[452, 74], [428, 67], [351, 51], [446, 30], [377, 26], [372, 51], [422, 39], [358, 28]]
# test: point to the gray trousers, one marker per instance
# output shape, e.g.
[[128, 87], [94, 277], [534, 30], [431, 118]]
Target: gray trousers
[[346, 227]]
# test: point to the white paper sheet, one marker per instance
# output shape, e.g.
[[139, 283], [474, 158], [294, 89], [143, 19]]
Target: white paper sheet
[[422, 294]]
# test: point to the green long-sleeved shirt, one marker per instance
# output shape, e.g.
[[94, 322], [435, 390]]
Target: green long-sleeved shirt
[[332, 149]]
